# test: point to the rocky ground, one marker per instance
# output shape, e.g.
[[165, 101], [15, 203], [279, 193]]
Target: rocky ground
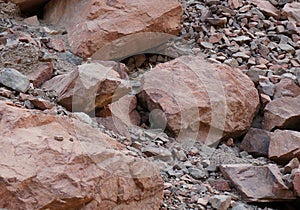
[[244, 168]]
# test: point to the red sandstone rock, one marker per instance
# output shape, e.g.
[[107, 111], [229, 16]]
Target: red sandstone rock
[[37, 102], [267, 8], [91, 86], [283, 113], [56, 162], [41, 74], [120, 115], [258, 183], [284, 145], [234, 4], [200, 100], [56, 44], [97, 23]]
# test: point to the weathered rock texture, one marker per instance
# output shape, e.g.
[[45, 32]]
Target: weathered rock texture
[[286, 87], [291, 10], [200, 100], [258, 183], [54, 162], [283, 113], [92, 24], [91, 86], [284, 145], [267, 8]]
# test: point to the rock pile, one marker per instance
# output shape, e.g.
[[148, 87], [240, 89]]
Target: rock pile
[[219, 131]]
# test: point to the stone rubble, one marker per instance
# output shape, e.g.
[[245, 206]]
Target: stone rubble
[[120, 151]]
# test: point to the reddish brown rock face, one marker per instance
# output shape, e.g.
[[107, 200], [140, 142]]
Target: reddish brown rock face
[[283, 113], [200, 100], [55, 162], [93, 24], [42, 73], [120, 115], [91, 86], [284, 145], [258, 183]]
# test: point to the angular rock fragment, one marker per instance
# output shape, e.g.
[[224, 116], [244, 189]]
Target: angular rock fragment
[[267, 8], [291, 10], [284, 145], [220, 202], [14, 79], [258, 183], [283, 113], [91, 86], [41, 74], [256, 142], [286, 87]]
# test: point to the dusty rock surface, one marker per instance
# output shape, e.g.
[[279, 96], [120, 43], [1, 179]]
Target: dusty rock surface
[[263, 182], [284, 145], [91, 86], [207, 102], [98, 23], [59, 163]]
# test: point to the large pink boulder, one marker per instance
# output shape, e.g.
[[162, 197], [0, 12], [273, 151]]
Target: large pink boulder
[[201, 101], [92, 24], [56, 162]]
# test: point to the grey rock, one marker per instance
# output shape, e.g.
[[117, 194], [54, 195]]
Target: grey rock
[[207, 45], [220, 202], [179, 155], [239, 207], [197, 173], [266, 86], [254, 73], [241, 55], [287, 47], [14, 79], [232, 62], [71, 58], [241, 39], [158, 152], [288, 75]]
